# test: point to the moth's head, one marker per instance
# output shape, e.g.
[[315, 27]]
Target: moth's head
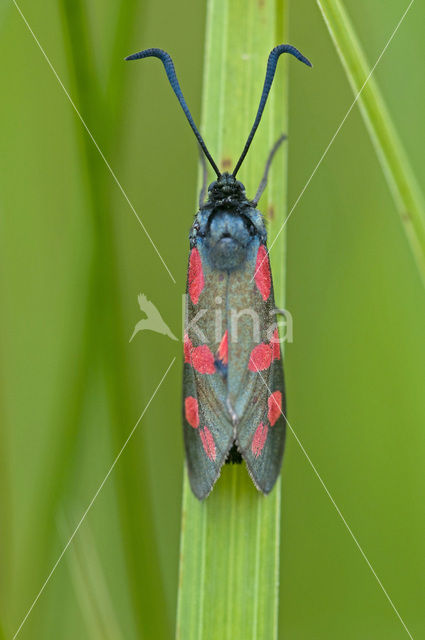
[[226, 192]]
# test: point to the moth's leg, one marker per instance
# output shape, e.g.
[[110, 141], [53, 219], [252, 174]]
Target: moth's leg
[[204, 179], [263, 182]]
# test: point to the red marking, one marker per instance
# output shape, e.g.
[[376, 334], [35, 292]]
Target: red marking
[[208, 442], [259, 439], [191, 411], [203, 359], [261, 357], [223, 350], [262, 272], [275, 407], [196, 275], [275, 345], [187, 346]]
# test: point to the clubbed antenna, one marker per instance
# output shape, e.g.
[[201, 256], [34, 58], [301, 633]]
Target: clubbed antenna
[[172, 77], [271, 68]]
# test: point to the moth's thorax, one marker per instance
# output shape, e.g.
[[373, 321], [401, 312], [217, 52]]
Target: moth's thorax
[[227, 224], [227, 241]]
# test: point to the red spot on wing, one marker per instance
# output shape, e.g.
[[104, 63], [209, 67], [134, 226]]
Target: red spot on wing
[[208, 442], [191, 411], [223, 349], [275, 345], [275, 407], [261, 357], [262, 272], [203, 359], [196, 275], [187, 346], [259, 439]]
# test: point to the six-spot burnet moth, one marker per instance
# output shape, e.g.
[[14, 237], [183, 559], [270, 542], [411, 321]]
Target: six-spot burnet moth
[[233, 387]]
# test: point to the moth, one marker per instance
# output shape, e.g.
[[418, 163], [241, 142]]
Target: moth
[[233, 386]]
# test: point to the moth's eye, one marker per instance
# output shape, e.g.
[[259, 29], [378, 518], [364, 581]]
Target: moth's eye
[[196, 229]]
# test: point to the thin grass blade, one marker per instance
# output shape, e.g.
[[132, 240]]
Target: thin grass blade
[[229, 562], [388, 146], [90, 585]]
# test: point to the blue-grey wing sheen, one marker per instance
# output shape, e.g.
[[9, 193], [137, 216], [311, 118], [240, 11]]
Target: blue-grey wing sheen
[[233, 378]]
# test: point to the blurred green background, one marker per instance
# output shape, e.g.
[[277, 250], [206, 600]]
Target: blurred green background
[[73, 259]]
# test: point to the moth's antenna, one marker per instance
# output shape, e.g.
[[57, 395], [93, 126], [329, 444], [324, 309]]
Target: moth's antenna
[[263, 183], [171, 74], [271, 68], [204, 179]]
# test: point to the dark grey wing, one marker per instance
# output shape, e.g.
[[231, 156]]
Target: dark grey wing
[[256, 385], [208, 434], [207, 429], [261, 432]]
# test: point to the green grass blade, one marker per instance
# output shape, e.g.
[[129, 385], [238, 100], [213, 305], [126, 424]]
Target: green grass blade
[[99, 351], [229, 561], [90, 585], [144, 573], [398, 173]]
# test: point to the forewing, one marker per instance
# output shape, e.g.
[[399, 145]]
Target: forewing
[[208, 432], [256, 385], [261, 432]]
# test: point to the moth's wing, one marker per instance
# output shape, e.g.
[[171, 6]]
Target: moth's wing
[[208, 432], [208, 444], [248, 320], [261, 432], [257, 396]]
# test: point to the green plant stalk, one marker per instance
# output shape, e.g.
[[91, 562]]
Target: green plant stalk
[[398, 173], [229, 559], [5, 522], [90, 585], [99, 349], [140, 548]]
